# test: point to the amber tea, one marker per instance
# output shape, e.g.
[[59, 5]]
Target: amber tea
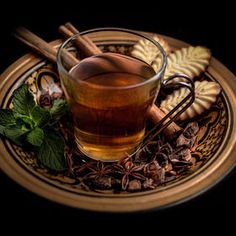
[[109, 108], [110, 94]]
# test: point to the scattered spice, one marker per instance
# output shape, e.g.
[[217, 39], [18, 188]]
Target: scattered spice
[[128, 170], [160, 161]]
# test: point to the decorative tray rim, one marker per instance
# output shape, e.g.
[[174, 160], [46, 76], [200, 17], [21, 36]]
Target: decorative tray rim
[[210, 174]]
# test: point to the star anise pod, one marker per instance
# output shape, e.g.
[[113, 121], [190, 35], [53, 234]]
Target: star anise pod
[[129, 169], [98, 174], [97, 169], [83, 167], [75, 161]]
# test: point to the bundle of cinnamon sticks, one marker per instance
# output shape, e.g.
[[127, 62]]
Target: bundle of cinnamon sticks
[[87, 48]]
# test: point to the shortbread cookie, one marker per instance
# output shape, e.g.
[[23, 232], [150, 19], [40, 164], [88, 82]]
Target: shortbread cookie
[[205, 95], [147, 51], [191, 61]]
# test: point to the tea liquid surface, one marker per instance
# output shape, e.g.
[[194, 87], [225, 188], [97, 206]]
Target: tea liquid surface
[[109, 117]]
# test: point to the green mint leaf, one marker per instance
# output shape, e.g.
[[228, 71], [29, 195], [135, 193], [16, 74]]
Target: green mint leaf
[[35, 137], [10, 127], [15, 133], [6, 119], [29, 123], [40, 116], [51, 152], [26, 121], [58, 109], [23, 101]]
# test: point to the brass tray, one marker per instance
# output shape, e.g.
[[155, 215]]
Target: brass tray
[[216, 151]]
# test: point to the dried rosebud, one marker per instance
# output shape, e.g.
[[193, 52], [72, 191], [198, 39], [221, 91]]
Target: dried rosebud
[[134, 185], [45, 100], [129, 165]]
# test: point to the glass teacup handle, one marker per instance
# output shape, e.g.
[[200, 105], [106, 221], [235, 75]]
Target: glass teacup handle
[[168, 118]]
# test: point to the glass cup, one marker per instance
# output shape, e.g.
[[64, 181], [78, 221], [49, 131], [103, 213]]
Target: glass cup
[[110, 94]]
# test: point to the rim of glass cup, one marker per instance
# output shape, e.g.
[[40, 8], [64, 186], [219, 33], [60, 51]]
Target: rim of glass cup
[[134, 32]]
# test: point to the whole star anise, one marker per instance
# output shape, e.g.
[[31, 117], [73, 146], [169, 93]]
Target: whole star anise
[[83, 167], [98, 175], [129, 169], [97, 169]]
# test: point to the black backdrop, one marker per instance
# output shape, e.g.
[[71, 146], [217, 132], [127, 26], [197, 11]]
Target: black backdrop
[[196, 24]]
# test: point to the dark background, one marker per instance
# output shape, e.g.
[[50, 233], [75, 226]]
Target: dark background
[[197, 24]]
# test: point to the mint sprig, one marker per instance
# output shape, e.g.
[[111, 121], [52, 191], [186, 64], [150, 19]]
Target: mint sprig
[[30, 125], [35, 137], [11, 127]]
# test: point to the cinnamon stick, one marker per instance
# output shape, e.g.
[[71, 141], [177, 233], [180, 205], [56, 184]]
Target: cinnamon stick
[[36, 43], [42, 47], [93, 46], [155, 114], [84, 44]]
